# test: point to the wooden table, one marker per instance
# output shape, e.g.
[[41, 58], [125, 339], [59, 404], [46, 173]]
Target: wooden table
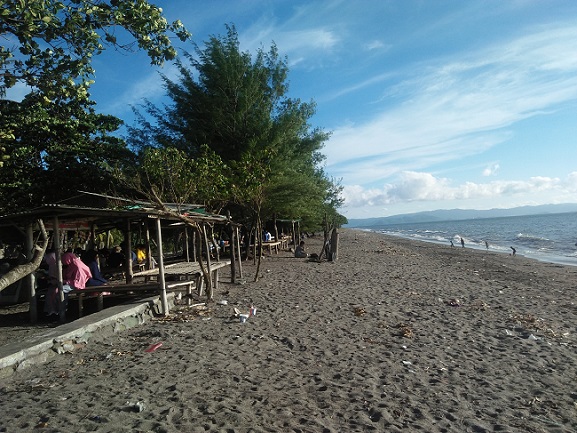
[[187, 271]]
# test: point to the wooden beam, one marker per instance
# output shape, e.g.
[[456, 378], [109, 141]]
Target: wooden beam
[[161, 280], [31, 279], [59, 281]]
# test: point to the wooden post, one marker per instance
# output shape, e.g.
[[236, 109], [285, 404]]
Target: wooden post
[[163, 298], [59, 282], [149, 260], [194, 252], [232, 245], [128, 253], [237, 231], [186, 251], [208, 276], [92, 241], [31, 278], [334, 245]]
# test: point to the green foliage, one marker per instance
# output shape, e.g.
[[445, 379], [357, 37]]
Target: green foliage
[[53, 143], [175, 177], [238, 106], [51, 43], [56, 150]]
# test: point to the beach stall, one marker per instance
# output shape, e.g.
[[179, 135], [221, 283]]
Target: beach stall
[[82, 220]]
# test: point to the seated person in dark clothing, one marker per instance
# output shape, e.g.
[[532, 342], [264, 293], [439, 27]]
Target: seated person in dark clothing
[[116, 258], [90, 258]]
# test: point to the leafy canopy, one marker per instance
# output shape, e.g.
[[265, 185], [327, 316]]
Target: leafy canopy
[[238, 106], [53, 142], [50, 44]]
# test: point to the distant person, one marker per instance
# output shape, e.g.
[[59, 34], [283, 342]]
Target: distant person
[[462, 243], [300, 251], [514, 250], [267, 237], [452, 244], [487, 245]]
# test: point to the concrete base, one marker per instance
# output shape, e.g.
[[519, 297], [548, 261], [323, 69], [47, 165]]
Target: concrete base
[[71, 336]]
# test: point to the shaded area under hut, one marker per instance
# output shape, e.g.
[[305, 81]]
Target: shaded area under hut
[[85, 223]]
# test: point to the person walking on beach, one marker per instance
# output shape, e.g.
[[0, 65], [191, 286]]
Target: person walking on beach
[[514, 250], [487, 245], [462, 243]]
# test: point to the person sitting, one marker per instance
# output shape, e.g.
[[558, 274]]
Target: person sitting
[[91, 260], [51, 299], [140, 254], [300, 251], [267, 236], [75, 274], [116, 258]]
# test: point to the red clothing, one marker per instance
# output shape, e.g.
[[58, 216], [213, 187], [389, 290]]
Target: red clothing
[[76, 274]]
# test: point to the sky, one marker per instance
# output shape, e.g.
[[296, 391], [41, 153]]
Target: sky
[[431, 104]]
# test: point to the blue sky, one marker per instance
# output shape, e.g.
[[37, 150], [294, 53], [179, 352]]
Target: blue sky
[[432, 104]]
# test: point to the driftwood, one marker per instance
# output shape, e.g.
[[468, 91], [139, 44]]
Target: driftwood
[[21, 271]]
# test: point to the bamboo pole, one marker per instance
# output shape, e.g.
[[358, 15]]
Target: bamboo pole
[[161, 280], [232, 246], [208, 276], [239, 251], [59, 282], [31, 278], [149, 259], [186, 249], [128, 253]]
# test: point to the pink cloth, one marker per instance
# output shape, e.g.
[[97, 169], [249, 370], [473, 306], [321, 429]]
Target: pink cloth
[[76, 274]]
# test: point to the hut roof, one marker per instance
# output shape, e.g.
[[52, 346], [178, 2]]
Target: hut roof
[[105, 212]]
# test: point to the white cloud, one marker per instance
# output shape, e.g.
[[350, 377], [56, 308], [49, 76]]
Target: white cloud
[[376, 45], [421, 187], [150, 87], [491, 169], [459, 108], [305, 44]]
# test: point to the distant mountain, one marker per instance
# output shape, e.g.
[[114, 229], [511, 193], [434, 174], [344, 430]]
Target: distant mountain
[[461, 214]]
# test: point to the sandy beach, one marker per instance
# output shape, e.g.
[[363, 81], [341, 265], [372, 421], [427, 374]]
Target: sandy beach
[[395, 335]]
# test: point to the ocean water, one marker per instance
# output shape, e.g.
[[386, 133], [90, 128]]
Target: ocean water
[[549, 238]]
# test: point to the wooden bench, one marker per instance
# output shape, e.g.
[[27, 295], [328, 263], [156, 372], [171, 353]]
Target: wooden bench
[[99, 291], [284, 242], [270, 246], [187, 271]]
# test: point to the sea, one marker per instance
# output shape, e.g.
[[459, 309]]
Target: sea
[[549, 238]]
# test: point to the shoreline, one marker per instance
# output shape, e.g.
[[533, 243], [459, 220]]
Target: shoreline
[[396, 335], [553, 259]]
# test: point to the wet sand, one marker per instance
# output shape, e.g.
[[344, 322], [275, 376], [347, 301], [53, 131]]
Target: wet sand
[[395, 335]]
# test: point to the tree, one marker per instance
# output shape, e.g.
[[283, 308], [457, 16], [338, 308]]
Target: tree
[[56, 150], [238, 106], [53, 42], [54, 137], [50, 44]]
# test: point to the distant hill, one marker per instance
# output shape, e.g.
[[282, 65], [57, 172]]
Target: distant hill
[[461, 214]]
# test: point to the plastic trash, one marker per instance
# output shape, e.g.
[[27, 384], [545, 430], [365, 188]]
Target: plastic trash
[[153, 347]]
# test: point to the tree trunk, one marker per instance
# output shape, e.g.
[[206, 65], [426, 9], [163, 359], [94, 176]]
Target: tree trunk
[[21, 271]]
